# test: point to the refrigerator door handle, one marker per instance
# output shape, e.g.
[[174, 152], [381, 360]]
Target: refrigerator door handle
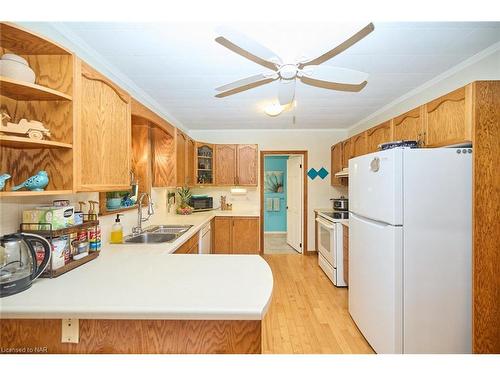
[[380, 224]]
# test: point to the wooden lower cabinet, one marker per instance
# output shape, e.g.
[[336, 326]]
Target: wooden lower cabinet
[[191, 246], [245, 235], [222, 234], [236, 235], [124, 336], [345, 253]]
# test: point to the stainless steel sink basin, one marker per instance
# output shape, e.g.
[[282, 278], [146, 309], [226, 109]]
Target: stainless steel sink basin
[[151, 238], [175, 229], [158, 234]]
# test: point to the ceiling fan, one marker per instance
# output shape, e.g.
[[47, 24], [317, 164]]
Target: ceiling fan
[[309, 71]]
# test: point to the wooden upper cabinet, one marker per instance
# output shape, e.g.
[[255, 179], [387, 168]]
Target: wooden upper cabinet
[[141, 151], [346, 152], [204, 163], [246, 161], [358, 145], [379, 134], [245, 233], [163, 158], [448, 119], [336, 163], [180, 155], [225, 161], [222, 240], [103, 133], [409, 126], [190, 159]]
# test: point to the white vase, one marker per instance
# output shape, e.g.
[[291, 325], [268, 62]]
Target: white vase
[[15, 67]]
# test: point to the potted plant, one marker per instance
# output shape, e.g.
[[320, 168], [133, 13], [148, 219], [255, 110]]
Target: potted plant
[[185, 196]]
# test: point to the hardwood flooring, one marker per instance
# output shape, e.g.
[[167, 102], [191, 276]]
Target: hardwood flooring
[[308, 314]]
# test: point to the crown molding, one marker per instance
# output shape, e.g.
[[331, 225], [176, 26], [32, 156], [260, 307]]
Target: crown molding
[[439, 78]]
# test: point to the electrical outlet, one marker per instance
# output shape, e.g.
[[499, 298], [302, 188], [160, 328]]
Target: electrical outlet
[[70, 330]]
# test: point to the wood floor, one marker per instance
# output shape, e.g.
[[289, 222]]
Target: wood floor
[[307, 314]]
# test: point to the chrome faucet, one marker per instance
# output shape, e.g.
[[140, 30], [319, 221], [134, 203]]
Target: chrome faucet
[[140, 219]]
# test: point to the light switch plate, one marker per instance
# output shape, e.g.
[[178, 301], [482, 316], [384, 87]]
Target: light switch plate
[[70, 330]]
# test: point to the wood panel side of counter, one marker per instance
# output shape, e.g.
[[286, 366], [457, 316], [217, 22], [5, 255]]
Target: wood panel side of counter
[[486, 227], [133, 336]]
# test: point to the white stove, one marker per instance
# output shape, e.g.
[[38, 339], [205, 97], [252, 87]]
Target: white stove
[[330, 246]]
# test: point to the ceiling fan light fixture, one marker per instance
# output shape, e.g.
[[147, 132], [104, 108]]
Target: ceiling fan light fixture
[[273, 109]]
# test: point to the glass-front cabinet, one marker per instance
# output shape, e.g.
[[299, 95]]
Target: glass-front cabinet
[[204, 164]]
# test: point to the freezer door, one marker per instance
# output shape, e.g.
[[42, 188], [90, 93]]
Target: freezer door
[[375, 186], [375, 279]]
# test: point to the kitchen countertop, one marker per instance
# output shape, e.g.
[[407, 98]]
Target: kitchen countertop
[[146, 282]]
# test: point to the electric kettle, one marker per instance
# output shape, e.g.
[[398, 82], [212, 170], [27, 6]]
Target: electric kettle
[[18, 261]]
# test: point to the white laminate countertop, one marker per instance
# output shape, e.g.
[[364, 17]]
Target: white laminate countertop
[[148, 282]]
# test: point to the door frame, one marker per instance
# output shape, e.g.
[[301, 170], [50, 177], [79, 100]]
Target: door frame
[[263, 154]]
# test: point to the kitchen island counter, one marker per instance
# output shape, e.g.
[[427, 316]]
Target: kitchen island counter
[[203, 303]]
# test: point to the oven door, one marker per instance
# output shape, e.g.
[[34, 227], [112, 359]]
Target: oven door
[[326, 240]]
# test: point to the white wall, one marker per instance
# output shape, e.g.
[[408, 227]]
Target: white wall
[[316, 142], [11, 210], [483, 66]]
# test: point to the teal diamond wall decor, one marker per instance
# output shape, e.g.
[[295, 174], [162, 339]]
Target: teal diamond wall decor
[[312, 173], [322, 173]]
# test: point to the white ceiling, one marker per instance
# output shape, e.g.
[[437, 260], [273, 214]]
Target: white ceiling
[[179, 65]]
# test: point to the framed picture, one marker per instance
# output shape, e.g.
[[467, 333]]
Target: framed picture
[[273, 181]]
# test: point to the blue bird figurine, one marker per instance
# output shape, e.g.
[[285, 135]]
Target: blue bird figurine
[[37, 182], [4, 177]]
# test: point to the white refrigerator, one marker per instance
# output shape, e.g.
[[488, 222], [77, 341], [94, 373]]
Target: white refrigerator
[[410, 248]]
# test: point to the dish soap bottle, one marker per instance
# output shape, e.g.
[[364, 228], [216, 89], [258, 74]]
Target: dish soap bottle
[[117, 230]]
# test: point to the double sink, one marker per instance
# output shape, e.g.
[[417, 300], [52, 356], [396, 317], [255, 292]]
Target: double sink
[[158, 234]]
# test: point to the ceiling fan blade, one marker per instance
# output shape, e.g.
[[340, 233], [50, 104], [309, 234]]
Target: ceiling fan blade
[[334, 74], [286, 91], [244, 87], [341, 47], [333, 85], [246, 81], [248, 48]]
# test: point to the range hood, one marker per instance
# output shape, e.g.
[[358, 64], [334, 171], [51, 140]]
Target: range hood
[[343, 173]]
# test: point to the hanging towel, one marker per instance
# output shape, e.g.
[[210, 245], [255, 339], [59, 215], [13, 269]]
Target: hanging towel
[[276, 204], [269, 204]]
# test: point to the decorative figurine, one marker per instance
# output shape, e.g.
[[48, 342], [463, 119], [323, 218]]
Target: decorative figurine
[[34, 129], [4, 177], [37, 182]]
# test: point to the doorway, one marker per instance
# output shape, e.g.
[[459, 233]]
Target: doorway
[[283, 202]]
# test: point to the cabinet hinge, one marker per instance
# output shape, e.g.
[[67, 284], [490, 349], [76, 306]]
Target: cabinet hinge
[[300, 166], [300, 245]]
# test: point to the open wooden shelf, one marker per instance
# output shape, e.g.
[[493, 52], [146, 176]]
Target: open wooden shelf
[[19, 90], [24, 42], [24, 142], [27, 193]]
